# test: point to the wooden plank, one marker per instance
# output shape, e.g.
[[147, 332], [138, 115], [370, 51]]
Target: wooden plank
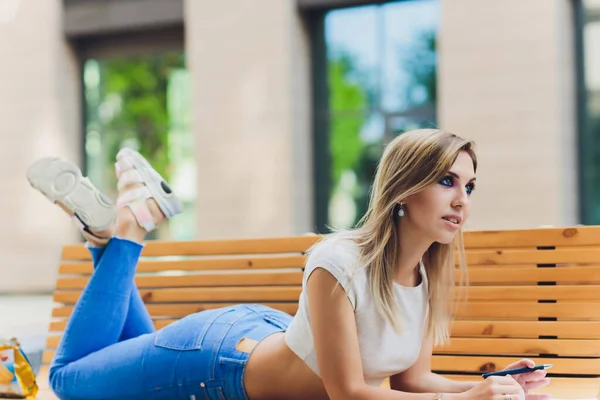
[[59, 326], [503, 347], [532, 275], [228, 294], [52, 342], [204, 264], [462, 329], [527, 310], [569, 236], [197, 280], [182, 309], [470, 310], [47, 356], [526, 329], [294, 244], [579, 255], [477, 275], [477, 365], [521, 347], [504, 293], [292, 293], [472, 329]]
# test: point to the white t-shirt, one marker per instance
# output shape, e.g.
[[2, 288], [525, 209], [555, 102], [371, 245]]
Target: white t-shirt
[[383, 352]]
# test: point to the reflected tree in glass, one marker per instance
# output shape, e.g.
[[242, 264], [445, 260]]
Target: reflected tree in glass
[[144, 103]]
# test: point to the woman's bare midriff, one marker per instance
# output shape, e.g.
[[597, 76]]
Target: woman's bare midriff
[[274, 371]]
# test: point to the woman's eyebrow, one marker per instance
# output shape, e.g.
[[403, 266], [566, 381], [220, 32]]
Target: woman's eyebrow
[[457, 177]]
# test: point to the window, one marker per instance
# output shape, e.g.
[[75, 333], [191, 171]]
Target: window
[[142, 101], [590, 110], [380, 63]]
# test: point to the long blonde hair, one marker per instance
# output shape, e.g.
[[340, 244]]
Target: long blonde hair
[[410, 163]]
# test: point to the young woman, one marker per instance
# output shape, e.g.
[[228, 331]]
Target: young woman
[[375, 299]]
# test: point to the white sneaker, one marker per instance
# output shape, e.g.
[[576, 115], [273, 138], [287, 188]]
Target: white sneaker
[[63, 183], [131, 168]]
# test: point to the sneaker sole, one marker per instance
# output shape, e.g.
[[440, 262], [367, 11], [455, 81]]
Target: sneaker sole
[[63, 184]]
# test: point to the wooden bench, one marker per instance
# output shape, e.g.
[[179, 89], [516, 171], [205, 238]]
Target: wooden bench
[[533, 293]]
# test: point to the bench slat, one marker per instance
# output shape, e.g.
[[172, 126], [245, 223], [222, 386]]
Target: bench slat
[[522, 347], [474, 364], [472, 329], [199, 280], [579, 236], [265, 262], [470, 311], [529, 275], [526, 329], [495, 346], [504, 293], [528, 310], [477, 275], [179, 310], [59, 326], [295, 244], [291, 293], [229, 294], [582, 255], [571, 236]]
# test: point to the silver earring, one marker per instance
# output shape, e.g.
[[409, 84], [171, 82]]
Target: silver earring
[[401, 211]]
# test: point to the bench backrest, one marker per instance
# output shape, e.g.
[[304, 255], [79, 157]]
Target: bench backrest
[[532, 293]]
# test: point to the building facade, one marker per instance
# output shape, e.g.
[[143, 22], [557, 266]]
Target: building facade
[[268, 116]]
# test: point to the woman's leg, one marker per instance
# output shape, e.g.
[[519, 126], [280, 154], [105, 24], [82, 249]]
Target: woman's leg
[[91, 362], [138, 321], [92, 359], [99, 316]]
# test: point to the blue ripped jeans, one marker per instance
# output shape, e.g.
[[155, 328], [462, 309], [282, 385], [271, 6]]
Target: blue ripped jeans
[[110, 349]]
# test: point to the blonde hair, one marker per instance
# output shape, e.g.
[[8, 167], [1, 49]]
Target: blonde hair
[[410, 163]]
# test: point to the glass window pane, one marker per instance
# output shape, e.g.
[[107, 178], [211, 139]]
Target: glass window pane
[[381, 71], [143, 103], [408, 31], [356, 145], [591, 122], [352, 53]]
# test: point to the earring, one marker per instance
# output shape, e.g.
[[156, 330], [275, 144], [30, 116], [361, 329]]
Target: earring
[[401, 211]]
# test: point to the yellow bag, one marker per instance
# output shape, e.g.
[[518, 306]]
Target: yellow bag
[[17, 379]]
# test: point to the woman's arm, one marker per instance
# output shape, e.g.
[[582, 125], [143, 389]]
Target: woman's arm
[[336, 344], [419, 377]]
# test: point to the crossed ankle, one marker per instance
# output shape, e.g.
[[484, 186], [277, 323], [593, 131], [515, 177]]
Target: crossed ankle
[[128, 227]]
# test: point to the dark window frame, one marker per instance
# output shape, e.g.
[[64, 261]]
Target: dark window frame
[[587, 143], [581, 104]]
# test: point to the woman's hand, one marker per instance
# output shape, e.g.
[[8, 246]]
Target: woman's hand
[[530, 380], [495, 388]]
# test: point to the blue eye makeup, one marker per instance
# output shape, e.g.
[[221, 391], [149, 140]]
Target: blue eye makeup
[[470, 187], [449, 180]]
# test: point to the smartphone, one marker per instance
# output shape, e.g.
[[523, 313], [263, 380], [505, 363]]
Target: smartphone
[[517, 371]]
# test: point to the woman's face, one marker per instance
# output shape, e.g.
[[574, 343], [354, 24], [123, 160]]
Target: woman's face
[[440, 210]]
